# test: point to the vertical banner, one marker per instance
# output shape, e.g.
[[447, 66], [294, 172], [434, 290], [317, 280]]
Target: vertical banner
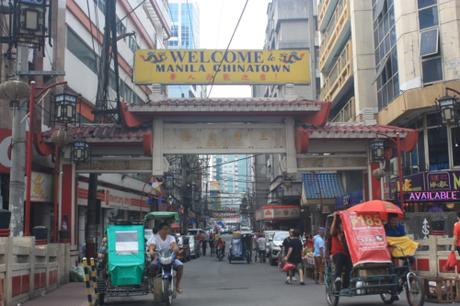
[[365, 237]]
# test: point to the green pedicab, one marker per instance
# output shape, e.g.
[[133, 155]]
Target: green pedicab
[[123, 265]]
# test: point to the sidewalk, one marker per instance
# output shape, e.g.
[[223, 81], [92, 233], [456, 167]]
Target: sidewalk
[[72, 294]]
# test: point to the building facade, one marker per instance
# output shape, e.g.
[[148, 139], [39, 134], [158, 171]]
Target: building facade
[[417, 49], [78, 28], [230, 172], [346, 59]]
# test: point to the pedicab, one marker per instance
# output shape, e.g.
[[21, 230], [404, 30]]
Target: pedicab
[[374, 271], [123, 267], [240, 248]]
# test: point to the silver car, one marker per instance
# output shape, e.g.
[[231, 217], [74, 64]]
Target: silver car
[[276, 246]]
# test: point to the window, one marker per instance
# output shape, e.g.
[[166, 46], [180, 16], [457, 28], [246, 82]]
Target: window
[[132, 43], [386, 59], [429, 42], [456, 145], [82, 51], [428, 17], [121, 28], [126, 243], [432, 69], [101, 5]]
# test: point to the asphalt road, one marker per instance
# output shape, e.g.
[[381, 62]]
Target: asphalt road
[[208, 282]]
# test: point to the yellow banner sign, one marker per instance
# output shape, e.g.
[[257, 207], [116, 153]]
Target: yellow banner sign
[[231, 67]]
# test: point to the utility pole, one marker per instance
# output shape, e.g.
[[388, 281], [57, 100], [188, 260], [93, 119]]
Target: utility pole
[[18, 148], [102, 115]]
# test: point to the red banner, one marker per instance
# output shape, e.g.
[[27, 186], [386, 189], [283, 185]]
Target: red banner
[[365, 237]]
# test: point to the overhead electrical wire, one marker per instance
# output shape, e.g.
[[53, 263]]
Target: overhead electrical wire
[[228, 47]]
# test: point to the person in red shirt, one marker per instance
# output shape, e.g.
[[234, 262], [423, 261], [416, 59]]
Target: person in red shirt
[[340, 255], [456, 240]]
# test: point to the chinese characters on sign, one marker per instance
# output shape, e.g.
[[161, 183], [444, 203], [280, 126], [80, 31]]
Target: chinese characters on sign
[[221, 67]]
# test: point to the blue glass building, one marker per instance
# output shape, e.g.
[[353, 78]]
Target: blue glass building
[[185, 30]]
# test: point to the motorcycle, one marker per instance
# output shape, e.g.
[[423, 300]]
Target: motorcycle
[[168, 275]]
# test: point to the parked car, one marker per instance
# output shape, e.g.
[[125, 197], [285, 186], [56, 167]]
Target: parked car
[[184, 245], [276, 246], [193, 246], [194, 231]]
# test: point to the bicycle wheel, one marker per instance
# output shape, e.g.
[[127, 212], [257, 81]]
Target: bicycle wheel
[[414, 290], [332, 299]]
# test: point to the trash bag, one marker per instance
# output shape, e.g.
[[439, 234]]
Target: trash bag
[[77, 274], [451, 261]]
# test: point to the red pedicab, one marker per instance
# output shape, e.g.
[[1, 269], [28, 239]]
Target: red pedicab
[[373, 271]]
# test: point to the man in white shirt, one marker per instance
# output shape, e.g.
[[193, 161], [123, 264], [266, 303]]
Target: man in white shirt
[[261, 244], [163, 241]]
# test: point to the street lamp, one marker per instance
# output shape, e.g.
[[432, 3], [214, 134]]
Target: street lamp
[[65, 107], [377, 150], [80, 151], [449, 108]]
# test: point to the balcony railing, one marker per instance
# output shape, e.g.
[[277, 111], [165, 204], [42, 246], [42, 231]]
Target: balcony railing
[[335, 27], [339, 74], [347, 113], [324, 12]]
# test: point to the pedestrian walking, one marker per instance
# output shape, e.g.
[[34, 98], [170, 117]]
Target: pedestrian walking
[[261, 245], [318, 254], [456, 240], [294, 257]]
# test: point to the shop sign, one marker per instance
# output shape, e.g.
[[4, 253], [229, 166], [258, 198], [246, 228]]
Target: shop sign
[[278, 213], [5, 150], [431, 196], [42, 187], [222, 67], [430, 186]]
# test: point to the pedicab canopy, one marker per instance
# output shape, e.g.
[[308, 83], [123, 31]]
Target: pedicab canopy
[[383, 208], [126, 254], [365, 236]]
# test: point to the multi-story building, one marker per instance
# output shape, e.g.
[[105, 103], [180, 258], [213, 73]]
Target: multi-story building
[[185, 34], [231, 173], [292, 25], [417, 55], [78, 28], [346, 59]]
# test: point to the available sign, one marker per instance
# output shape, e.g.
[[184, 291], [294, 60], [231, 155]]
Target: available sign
[[222, 67], [429, 196]]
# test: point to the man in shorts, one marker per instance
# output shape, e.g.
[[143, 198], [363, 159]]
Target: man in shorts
[[294, 256], [162, 240]]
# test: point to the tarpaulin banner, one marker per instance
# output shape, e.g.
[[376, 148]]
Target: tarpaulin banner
[[365, 237]]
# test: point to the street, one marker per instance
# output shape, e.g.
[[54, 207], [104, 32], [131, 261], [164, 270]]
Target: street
[[208, 282]]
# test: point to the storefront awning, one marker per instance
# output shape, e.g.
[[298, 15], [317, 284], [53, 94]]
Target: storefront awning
[[321, 188]]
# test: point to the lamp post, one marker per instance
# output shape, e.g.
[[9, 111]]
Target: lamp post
[[16, 91], [378, 154], [35, 94]]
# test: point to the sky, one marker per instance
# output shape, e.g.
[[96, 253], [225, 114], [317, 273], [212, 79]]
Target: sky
[[217, 23]]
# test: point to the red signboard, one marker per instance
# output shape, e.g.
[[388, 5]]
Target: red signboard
[[365, 237]]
